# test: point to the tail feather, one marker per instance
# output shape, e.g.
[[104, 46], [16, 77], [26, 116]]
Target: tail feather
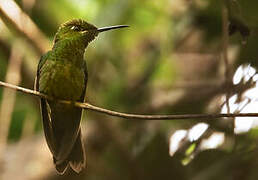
[[76, 159], [61, 168]]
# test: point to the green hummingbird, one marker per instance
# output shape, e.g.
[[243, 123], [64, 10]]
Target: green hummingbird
[[62, 74]]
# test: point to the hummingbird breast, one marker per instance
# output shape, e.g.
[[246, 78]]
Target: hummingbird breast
[[62, 80]]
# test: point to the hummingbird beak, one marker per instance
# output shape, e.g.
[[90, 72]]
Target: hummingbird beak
[[111, 27]]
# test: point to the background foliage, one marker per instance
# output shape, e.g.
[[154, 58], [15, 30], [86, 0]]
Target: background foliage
[[168, 62]]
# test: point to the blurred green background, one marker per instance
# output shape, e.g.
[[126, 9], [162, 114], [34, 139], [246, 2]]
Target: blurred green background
[[168, 62]]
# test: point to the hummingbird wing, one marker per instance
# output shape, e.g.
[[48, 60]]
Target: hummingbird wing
[[65, 122], [44, 112], [61, 125]]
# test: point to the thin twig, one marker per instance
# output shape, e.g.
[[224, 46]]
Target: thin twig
[[225, 48], [126, 115]]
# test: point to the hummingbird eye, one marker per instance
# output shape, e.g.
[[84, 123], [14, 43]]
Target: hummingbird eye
[[75, 28]]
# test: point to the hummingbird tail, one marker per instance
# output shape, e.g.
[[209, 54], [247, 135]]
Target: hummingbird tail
[[76, 158], [61, 168]]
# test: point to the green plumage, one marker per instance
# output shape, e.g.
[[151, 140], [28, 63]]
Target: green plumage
[[62, 74]]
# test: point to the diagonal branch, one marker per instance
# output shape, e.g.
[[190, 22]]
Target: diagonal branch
[[20, 22], [9, 97], [126, 115]]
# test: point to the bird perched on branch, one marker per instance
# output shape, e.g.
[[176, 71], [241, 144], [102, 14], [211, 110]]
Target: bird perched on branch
[[62, 74]]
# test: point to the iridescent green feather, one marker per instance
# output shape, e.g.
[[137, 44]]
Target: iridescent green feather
[[62, 74]]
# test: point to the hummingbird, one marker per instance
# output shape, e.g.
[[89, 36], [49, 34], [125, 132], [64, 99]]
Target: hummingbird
[[62, 74]]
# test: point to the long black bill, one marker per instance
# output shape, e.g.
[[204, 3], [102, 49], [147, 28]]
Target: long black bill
[[111, 27]]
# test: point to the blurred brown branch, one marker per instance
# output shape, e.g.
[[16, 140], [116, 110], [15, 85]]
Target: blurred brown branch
[[126, 115], [9, 97], [21, 23], [225, 39]]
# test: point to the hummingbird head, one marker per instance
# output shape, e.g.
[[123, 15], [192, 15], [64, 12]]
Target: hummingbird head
[[78, 29]]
